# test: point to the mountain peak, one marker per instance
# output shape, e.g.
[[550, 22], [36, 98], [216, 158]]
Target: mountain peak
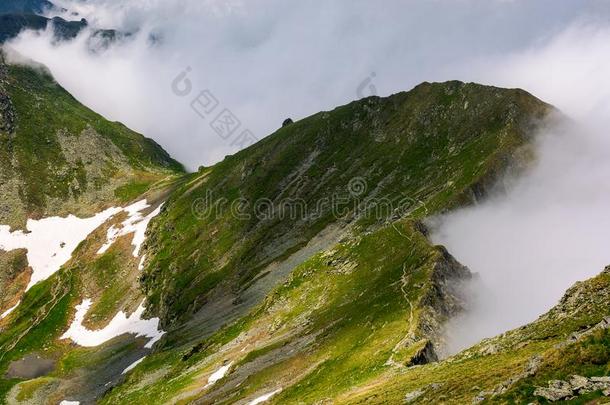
[[60, 157]]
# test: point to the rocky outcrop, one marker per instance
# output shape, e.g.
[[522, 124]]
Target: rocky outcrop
[[413, 396], [443, 299], [531, 368], [7, 114], [578, 299], [558, 390], [425, 355]]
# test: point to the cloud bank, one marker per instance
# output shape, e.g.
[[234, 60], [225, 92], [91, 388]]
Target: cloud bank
[[552, 227], [266, 60]]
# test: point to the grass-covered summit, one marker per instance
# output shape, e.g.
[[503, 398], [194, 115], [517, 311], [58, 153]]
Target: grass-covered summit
[[59, 157], [437, 145], [301, 265]]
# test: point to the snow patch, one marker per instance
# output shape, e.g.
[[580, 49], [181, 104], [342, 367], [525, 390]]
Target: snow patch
[[141, 264], [64, 402], [7, 312], [219, 374], [263, 398], [133, 365], [119, 325], [135, 223], [51, 241]]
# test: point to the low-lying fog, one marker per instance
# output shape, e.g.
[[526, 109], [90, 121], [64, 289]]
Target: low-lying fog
[[551, 227], [528, 244]]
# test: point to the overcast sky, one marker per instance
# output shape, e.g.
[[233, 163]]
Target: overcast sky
[[266, 60]]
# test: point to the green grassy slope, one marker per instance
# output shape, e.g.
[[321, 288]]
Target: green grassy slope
[[336, 291], [343, 317], [110, 281], [439, 145], [328, 338], [59, 157], [370, 302], [571, 339]]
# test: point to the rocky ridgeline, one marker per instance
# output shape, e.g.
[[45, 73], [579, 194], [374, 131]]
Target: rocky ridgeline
[[442, 301], [576, 385]]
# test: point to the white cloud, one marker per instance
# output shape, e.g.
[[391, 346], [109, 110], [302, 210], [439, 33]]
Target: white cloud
[[552, 228], [266, 60]]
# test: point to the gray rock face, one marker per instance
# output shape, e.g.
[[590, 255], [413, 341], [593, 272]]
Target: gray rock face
[[444, 301], [417, 394], [553, 394], [576, 385], [426, 355], [412, 396], [7, 114], [578, 382]]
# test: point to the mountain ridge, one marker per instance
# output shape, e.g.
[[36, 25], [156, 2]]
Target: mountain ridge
[[47, 173], [298, 161], [297, 270]]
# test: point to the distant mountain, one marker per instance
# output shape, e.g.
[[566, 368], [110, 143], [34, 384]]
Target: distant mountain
[[19, 15], [24, 6], [12, 24]]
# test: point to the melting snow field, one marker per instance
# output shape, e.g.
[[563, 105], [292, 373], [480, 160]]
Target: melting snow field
[[141, 264], [264, 398], [133, 365], [51, 241], [135, 223], [119, 325], [218, 374], [8, 311]]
